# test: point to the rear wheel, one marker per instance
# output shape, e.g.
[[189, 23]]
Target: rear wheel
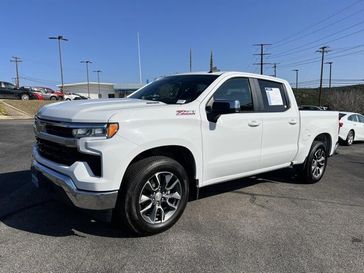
[[153, 196], [350, 138], [314, 167], [53, 98]]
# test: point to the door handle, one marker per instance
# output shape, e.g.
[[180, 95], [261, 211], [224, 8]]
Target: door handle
[[292, 122], [253, 123]]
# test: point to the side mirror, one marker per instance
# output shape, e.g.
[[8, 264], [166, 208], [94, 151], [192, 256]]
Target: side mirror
[[221, 107]]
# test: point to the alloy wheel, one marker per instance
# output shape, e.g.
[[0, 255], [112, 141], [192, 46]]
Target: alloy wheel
[[160, 197], [318, 163]]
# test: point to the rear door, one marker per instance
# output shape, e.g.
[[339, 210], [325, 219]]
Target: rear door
[[280, 117]]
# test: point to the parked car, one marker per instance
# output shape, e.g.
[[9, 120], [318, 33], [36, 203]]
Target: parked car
[[351, 127], [36, 94], [74, 96], [146, 155], [49, 94], [9, 91]]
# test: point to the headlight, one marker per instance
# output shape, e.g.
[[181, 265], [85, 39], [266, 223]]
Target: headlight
[[109, 130]]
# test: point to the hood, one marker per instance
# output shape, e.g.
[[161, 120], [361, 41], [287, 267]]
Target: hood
[[91, 110]]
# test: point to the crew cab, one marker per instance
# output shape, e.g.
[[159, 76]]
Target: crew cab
[[144, 156]]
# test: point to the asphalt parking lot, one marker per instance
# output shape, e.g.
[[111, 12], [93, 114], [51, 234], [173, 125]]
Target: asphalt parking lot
[[270, 223]]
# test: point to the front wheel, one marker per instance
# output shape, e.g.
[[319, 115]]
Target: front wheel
[[314, 167], [24, 97], [153, 196], [54, 98]]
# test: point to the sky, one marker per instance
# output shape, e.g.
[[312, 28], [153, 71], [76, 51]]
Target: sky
[[105, 32]]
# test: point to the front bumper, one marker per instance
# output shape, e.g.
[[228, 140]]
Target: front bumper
[[83, 199]]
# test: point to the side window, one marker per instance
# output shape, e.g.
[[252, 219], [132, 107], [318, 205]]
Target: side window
[[361, 118], [236, 89], [274, 96], [352, 118]]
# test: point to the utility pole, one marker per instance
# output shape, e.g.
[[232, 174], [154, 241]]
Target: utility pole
[[275, 69], [261, 54], [330, 63], [88, 81], [190, 59], [296, 70], [59, 38], [98, 81], [322, 50], [16, 60], [211, 62]]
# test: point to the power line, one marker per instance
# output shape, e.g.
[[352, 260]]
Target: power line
[[318, 23], [303, 46], [320, 29], [261, 54]]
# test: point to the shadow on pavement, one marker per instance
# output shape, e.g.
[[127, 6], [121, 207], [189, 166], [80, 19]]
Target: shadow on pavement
[[26, 208]]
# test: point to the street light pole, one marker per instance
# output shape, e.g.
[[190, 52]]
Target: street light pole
[[98, 80], [330, 63], [296, 70], [88, 80], [59, 38]]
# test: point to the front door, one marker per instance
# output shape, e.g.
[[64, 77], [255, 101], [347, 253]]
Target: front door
[[232, 144]]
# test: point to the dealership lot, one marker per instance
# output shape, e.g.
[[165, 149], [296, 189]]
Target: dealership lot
[[266, 224]]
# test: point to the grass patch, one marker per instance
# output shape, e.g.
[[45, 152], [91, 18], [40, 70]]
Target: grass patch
[[2, 110], [30, 107]]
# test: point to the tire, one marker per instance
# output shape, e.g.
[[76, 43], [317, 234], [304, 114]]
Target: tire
[[144, 209], [350, 138], [315, 165], [53, 98], [24, 97], [67, 99]]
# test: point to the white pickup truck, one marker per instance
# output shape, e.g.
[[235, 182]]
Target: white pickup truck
[[143, 156]]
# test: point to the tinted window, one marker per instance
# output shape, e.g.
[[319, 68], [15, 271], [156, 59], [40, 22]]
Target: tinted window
[[175, 89], [361, 118], [236, 89], [9, 85], [341, 115], [274, 96], [352, 118]]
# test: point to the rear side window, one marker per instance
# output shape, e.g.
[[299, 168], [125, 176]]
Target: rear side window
[[236, 89], [341, 115], [274, 96], [361, 118], [352, 118]]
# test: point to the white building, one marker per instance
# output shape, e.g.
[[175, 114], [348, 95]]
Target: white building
[[107, 90]]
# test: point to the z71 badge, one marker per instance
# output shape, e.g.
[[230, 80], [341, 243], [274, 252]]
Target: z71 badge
[[185, 112]]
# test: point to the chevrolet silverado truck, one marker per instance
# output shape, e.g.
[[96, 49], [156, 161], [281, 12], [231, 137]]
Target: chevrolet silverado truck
[[144, 156]]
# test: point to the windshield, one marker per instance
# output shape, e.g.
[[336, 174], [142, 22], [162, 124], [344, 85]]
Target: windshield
[[175, 89]]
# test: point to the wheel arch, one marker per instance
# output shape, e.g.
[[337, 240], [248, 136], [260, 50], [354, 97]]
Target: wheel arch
[[181, 154], [326, 139]]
